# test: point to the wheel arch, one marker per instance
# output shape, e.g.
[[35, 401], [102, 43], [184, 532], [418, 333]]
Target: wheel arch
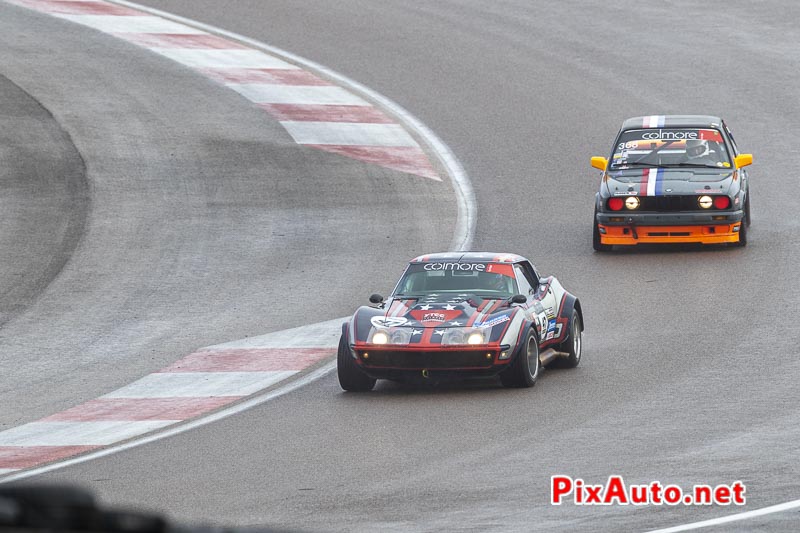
[[571, 303]]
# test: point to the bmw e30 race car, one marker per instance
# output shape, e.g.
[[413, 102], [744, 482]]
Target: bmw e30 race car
[[672, 179], [462, 314]]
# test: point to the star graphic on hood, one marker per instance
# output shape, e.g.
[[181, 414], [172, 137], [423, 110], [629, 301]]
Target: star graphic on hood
[[455, 323], [439, 332], [449, 307], [425, 307]]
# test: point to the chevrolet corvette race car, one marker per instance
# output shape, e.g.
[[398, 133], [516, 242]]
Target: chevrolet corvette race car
[[462, 314], [678, 179]]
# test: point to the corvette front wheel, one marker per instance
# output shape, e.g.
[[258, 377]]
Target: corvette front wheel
[[351, 378], [525, 369]]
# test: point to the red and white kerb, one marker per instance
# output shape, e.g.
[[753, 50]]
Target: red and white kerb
[[314, 111], [203, 381]]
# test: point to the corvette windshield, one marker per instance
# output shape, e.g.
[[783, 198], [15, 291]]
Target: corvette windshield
[[491, 279], [673, 147]]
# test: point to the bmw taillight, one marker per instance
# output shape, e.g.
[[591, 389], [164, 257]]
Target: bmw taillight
[[615, 204]]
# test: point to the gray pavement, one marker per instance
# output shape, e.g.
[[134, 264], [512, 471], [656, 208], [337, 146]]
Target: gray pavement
[[204, 223], [690, 370]]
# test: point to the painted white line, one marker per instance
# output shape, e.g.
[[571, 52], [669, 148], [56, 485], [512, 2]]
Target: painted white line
[[296, 94], [732, 518], [320, 335], [465, 196], [123, 24], [209, 58], [200, 384], [78, 433], [181, 428], [4, 471], [349, 134]]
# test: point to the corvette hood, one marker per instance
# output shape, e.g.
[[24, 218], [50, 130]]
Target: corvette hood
[[436, 320], [668, 181], [445, 312]]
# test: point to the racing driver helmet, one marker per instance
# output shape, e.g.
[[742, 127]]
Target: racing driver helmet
[[697, 148]]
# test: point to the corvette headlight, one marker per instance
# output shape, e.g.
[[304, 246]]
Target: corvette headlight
[[391, 336], [380, 337], [465, 336], [476, 337], [705, 202], [400, 336]]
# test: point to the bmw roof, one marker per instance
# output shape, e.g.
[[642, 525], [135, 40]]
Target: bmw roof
[[672, 121]]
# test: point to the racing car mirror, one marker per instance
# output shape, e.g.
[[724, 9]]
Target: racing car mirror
[[376, 299], [518, 299], [742, 160], [599, 163]]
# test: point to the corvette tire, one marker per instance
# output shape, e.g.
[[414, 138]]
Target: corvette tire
[[573, 345], [351, 378], [524, 371]]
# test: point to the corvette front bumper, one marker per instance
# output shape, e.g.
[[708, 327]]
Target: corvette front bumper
[[390, 362]]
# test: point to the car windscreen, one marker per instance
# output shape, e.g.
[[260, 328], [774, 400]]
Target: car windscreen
[[489, 279], [670, 147]]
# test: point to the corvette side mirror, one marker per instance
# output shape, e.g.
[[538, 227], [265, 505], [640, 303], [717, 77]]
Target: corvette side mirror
[[376, 299], [600, 163], [518, 299], [742, 160]]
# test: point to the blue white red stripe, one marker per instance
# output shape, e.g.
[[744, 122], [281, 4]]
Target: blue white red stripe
[[653, 121], [652, 182]]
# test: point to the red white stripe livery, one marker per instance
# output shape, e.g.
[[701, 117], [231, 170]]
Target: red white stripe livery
[[649, 181], [314, 111], [204, 381]]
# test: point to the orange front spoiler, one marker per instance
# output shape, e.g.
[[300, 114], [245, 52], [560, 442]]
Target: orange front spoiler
[[705, 234]]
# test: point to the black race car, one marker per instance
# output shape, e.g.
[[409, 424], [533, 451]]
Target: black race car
[[672, 179], [462, 314]]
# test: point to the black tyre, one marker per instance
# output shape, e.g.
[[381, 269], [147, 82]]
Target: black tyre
[[742, 234], [525, 369], [747, 210], [596, 244], [351, 378], [744, 225], [573, 345]]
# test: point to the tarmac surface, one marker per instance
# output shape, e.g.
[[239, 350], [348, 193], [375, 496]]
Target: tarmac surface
[[193, 220]]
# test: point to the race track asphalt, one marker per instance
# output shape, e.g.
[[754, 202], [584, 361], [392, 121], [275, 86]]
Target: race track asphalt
[[690, 367]]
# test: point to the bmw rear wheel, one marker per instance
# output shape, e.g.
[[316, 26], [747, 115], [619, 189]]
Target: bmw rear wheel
[[525, 369], [351, 378]]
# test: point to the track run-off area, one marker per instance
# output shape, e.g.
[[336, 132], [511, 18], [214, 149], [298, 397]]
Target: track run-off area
[[187, 185]]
